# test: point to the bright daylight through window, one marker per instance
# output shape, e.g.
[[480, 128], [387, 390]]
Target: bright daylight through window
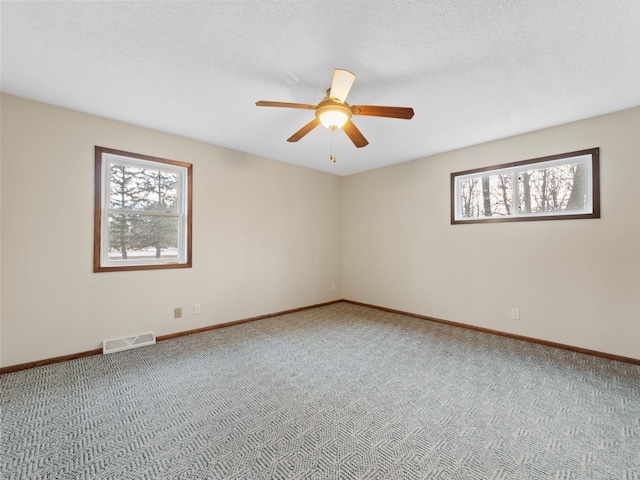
[[142, 214], [564, 186]]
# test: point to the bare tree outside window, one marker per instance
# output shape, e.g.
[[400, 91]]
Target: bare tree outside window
[[486, 196]]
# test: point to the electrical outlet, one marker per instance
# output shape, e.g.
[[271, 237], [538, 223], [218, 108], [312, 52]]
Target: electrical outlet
[[333, 287], [196, 308], [177, 313], [515, 314]]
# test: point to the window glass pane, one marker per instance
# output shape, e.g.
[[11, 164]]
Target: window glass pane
[[136, 188], [553, 189], [143, 237], [486, 196]]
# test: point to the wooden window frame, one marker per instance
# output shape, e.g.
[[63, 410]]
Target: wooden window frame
[[99, 208], [523, 217]]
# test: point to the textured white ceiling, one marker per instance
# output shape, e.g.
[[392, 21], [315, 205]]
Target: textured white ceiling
[[473, 71]]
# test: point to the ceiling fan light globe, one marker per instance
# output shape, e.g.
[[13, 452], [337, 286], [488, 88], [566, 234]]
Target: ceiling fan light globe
[[333, 119]]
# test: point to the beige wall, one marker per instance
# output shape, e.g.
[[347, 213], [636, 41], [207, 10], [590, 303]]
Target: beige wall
[[1, 100], [575, 281], [266, 237], [270, 236]]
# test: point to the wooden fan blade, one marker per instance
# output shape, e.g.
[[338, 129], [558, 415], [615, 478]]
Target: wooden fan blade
[[341, 84], [354, 134], [304, 130], [262, 103], [405, 113]]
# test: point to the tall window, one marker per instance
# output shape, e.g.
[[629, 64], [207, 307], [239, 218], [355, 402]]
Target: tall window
[[142, 213], [561, 186]]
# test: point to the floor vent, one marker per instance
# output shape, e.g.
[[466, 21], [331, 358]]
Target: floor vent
[[119, 344]]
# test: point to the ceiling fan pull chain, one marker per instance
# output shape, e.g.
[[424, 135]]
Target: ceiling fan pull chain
[[331, 155]]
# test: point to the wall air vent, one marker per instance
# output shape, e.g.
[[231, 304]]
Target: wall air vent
[[127, 343]]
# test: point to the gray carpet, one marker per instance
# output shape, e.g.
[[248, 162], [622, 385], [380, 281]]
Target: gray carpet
[[337, 392]]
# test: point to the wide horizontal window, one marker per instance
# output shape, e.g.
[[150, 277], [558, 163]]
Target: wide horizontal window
[[142, 212], [564, 186]]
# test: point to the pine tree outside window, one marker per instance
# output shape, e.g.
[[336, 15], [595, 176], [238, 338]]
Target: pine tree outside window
[[142, 216]]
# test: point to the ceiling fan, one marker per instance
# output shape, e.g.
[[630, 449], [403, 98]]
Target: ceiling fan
[[334, 112]]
